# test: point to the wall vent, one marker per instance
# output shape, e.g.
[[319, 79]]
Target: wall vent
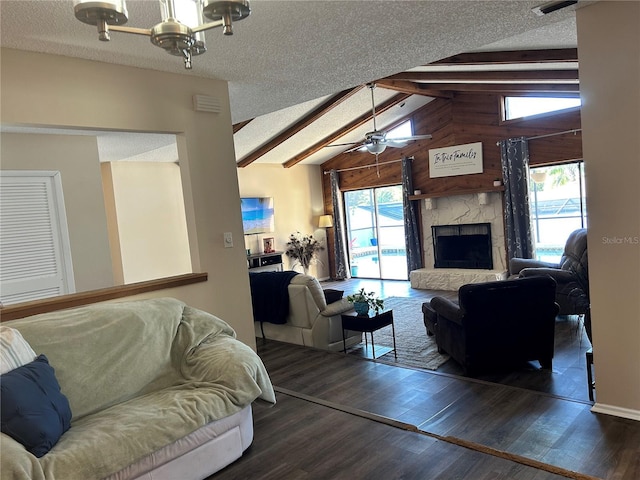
[[205, 103]]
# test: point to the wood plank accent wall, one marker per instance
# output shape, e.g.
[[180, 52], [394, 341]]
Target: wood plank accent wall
[[465, 118]]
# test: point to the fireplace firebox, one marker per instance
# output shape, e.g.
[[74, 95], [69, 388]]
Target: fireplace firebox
[[463, 246]]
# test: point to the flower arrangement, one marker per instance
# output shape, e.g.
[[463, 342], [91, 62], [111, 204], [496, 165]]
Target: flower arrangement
[[303, 249], [366, 298]]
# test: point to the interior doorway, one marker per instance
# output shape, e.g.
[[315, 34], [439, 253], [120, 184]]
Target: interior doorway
[[375, 233]]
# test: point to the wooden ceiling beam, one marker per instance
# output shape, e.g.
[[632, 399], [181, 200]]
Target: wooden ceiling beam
[[506, 88], [358, 122], [304, 122], [518, 56], [240, 125], [412, 88], [488, 76]]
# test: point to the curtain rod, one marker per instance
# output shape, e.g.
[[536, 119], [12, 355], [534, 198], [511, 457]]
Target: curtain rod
[[574, 131], [367, 166]]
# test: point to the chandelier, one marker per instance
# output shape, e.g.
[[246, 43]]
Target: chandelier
[[181, 31]]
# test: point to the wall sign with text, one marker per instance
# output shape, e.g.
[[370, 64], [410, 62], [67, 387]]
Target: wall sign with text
[[457, 160]]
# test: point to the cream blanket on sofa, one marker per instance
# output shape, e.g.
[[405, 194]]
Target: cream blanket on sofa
[[138, 376]]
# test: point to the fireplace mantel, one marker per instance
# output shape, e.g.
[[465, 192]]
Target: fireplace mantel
[[449, 193]]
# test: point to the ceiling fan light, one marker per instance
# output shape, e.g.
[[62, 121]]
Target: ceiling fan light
[[376, 148]]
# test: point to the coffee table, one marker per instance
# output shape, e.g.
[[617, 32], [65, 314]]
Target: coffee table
[[366, 324]]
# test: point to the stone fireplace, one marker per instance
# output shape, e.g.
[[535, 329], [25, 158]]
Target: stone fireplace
[[457, 211]]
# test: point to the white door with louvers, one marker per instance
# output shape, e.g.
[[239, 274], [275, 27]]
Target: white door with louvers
[[35, 253]]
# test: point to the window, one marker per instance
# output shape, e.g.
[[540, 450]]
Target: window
[[519, 107], [558, 207], [405, 129]]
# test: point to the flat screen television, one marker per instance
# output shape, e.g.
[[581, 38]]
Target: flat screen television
[[257, 215]]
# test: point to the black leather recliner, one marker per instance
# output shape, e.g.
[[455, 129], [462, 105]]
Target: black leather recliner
[[496, 325], [571, 273]]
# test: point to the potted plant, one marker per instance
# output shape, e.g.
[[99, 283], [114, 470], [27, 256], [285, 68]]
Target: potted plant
[[303, 249], [365, 301]]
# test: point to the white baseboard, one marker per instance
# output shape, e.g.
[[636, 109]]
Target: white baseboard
[[616, 411]]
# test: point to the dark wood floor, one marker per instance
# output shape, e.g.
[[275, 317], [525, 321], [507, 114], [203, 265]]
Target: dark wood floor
[[341, 416], [568, 377]]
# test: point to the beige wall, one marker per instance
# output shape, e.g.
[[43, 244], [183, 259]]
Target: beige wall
[[609, 54], [76, 158], [297, 203], [150, 220], [48, 90]]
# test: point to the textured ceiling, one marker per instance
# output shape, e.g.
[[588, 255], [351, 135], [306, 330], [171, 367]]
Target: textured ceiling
[[290, 52]]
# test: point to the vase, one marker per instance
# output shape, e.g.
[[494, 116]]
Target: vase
[[361, 308]]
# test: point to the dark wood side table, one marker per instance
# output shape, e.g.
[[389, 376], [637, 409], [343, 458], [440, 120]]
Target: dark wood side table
[[365, 324]]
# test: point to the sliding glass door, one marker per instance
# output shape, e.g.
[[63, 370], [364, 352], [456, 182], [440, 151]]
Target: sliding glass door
[[558, 207], [375, 233]]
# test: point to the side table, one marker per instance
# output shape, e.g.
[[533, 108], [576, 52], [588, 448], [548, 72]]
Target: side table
[[366, 324]]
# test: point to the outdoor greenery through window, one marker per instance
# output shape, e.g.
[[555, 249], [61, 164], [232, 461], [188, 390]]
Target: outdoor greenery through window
[[519, 107], [557, 207]]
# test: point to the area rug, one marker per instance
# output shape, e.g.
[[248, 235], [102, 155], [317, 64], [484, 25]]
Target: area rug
[[415, 348]]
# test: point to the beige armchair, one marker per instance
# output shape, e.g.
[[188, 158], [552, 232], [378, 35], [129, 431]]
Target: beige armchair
[[310, 321]]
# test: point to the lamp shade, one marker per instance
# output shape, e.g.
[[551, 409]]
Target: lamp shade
[[325, 221]]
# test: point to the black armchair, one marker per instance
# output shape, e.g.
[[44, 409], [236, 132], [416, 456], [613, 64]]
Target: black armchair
[[571, 273], [496, 325]]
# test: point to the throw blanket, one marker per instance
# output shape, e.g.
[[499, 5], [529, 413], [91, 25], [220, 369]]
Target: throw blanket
[[138, 376], [270, 296]]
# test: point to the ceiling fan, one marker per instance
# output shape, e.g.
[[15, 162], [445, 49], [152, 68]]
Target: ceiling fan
[[376, 141]]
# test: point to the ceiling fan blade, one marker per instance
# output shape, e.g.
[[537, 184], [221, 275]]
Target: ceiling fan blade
[[343, 144], [411, 138], [395, 143], [360, 146]]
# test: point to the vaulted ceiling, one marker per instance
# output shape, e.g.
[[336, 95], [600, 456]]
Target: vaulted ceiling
[[308, 133]]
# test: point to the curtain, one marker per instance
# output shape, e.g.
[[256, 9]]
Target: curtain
[[515, 172], [411, 226], [339, 243]]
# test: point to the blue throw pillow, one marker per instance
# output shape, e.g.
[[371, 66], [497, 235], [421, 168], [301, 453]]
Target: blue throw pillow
[[33, 410]]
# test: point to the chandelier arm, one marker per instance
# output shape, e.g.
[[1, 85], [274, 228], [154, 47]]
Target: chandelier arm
[[134, 30], [207, 26]]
